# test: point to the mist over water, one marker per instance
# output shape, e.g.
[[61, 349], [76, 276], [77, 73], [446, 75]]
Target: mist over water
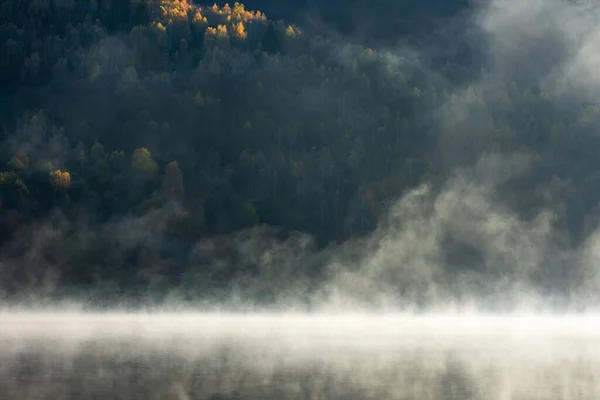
[[298, 356]]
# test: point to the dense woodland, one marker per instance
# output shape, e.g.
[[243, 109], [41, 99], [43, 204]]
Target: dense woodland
[[132, 130]]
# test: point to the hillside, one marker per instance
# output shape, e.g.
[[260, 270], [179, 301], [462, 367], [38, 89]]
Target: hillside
[[134, 130]]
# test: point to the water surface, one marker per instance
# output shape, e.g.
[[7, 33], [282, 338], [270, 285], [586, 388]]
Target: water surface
[[290, 356]]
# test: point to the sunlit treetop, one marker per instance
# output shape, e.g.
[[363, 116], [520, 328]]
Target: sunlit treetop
[[222, 31], [60, 179], [159, 26], [292, 31], [219, 21], [238, 12], [199, 19], [219, 32], [239, 31], [170, 11], [167, 12]]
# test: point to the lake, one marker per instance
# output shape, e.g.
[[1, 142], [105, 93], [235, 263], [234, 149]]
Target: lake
[[294, 356]]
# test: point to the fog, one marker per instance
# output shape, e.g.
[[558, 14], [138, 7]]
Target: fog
[[252, 356], [497, 231], [302, 216]]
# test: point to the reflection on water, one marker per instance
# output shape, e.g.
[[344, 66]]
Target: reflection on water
[[210, 356]]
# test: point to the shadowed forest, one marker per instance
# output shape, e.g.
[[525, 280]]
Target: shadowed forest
[[156, 148]]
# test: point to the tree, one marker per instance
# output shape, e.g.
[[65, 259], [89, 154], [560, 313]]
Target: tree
[[290, 32], [270, 41], [239, 31], [60, 179], [19, 162], [142, 162], [173, 179], [97, 152]]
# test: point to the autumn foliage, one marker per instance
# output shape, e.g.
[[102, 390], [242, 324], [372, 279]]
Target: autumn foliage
[[239, 31], [142, 161], [60, 179]]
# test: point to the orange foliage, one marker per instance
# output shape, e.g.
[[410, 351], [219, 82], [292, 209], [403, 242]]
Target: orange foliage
[[199, 19], [159, 26], [174, 10], [292, 32], [238, 12], [222, 32], [60, 179], [289, 32], [167, 12], [239, 31]]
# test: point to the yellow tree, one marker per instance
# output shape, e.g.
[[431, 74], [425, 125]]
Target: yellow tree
[[142, 161], [199, 21], [290, 32], [239, 31], [222, 32], [60, 179]]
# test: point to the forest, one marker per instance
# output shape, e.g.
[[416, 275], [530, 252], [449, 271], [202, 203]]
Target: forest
[[156, 144]]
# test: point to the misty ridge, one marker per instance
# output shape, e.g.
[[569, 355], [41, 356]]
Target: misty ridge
[[165, 153]]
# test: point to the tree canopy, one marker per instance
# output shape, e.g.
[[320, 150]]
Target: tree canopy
[[176, 123]]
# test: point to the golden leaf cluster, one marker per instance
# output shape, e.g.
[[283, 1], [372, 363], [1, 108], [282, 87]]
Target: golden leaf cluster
[[239, 31], [238, 12], [199, 19], [219, 32], [174, 10], [60, 179], [292, 31]]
